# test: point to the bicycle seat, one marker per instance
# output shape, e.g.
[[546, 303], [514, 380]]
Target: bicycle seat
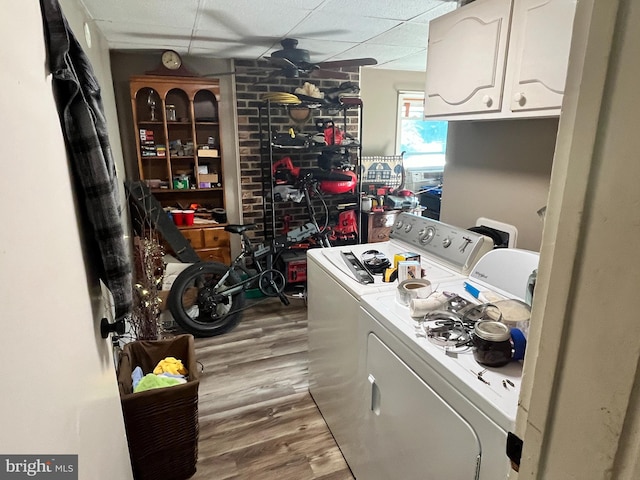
[[240, 228]]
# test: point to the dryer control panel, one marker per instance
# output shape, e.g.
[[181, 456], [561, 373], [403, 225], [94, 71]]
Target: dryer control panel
[[457, 247]]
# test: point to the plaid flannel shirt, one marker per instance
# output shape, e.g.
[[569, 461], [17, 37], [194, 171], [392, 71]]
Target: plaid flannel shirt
[[85, 131]]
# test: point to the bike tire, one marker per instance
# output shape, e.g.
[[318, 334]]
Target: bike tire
[[194, 306]]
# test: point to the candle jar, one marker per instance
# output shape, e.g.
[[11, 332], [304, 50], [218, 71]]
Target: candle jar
[[492, 345]]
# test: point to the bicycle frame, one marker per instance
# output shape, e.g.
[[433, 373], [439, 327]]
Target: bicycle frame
[[256, 256], [220, 298]]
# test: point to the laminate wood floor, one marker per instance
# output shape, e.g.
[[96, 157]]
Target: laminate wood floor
[[257, 419]]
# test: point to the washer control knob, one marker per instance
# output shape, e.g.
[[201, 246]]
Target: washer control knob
[[408, 228], [426, 235], [446, 242], [398, 224]]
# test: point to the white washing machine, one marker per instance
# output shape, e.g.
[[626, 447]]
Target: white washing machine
[[337, 356], [430, 411]]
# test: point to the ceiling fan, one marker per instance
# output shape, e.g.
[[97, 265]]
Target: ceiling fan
[[294, 62]]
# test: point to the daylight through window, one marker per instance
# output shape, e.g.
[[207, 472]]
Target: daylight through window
[[423, 141]]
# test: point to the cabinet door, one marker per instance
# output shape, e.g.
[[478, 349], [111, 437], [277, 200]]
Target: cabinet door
[[538, 53], [411, 432], [466, 59]]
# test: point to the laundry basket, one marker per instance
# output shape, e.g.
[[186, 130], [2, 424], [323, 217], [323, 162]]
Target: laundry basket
[[162, 423]]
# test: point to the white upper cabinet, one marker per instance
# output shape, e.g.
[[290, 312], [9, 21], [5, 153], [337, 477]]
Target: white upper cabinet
[[466, 59], [538, 54], [486, 61]]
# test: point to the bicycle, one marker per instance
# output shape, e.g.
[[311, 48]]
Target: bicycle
[[207, 298]]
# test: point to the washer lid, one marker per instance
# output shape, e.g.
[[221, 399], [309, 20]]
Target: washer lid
[[506, 271]]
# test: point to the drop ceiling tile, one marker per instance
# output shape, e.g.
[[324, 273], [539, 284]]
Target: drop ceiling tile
[[151, 36], [382, 53], [246, 19], [225, 49], [415, 62], [149, 12], [426, 17], [331, 26], [399, 10], [407, 34], [280, 6], [329, 29]]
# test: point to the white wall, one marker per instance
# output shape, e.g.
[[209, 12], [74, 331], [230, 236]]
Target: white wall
[[59, 393], [379, 91], [499, 170], [579, 411]]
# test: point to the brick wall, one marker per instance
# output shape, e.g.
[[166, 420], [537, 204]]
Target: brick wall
[[254, 164]]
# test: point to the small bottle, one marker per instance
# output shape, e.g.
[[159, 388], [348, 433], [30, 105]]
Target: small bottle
[[171, 113]]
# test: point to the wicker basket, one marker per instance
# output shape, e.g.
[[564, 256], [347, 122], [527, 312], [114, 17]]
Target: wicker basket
[[161, 424]]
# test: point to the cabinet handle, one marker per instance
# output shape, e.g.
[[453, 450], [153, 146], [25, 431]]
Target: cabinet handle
[[520, 99], [487, 100], [375, 395]]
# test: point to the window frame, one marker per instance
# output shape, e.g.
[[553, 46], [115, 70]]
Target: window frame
[[402, 106]]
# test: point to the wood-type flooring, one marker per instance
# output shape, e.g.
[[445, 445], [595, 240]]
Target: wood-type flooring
[[257, 419]]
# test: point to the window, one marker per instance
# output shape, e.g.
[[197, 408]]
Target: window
[[423, 141]]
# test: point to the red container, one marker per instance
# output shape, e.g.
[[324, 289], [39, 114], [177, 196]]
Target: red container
[[178, 217], [188, 217]]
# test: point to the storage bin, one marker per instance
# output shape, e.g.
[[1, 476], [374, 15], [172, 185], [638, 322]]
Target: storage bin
[[161, 424]]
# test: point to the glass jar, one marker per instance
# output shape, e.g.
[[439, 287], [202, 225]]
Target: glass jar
[[492, 345], [171, 113]]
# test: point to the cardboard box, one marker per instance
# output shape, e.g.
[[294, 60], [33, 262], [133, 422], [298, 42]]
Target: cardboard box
[[210, 152], [209, 177]]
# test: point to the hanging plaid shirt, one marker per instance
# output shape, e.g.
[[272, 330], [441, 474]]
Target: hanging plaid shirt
[[85, 131]]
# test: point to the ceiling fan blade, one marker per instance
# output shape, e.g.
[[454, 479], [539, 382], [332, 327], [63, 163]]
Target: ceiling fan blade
[[281, 62], [321, 73], [272, 75], [353, 62], [218, 74]]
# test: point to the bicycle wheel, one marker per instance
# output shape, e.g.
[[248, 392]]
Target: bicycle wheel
[[197, 304]]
